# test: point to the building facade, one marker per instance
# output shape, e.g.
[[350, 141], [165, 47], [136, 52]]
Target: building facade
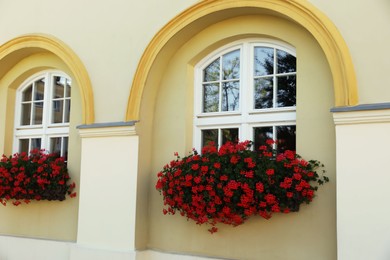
[[118, 88]]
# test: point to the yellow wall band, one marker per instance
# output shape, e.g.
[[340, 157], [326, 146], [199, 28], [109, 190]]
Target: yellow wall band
[[302, 12], [19, 48]]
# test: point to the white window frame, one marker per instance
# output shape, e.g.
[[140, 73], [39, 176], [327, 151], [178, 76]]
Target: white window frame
[[246, 118], [46, 130]]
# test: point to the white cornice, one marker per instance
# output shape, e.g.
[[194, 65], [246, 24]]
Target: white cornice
[[107, 130], [362, 117]]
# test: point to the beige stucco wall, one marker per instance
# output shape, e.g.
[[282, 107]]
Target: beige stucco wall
[[172, 131]]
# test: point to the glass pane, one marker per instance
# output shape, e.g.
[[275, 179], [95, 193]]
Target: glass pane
[[211, 72], [67, 111], [35, 143], [65, 147], [286, 62], [26, 114], [261, 134], [263, 93], [211, 98], [39, 89], [55, 145], [37, 113], [57, 111], [59, 87], [231, 65], [27, 93], [286, 138], [286, 94], [230, 135], [230, 96], [68, 88], [23, 145], [210, 135], [264, 61]]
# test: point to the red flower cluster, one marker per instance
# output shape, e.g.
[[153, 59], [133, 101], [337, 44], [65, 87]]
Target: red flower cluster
[[39, 176], [233, 183]]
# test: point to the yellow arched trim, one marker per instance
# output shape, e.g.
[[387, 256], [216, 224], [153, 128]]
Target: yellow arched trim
[[15, 50], [302, 12]]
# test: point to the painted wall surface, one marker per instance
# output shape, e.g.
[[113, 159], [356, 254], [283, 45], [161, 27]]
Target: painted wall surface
[[276, 238], [363, 25], [108, 38], [363, 176]]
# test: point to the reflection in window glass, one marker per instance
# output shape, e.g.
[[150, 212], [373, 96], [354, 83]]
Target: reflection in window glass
[[229, 135], [24, 145], [263, 61], [35, 143], [286, 94], [211, 98], [284, 135], [230, 96], [209, 135], [286, 138], [211, 72], [25, 117], [57, 111], [286, 62], [261, 134], [264, 94], [231, 65]]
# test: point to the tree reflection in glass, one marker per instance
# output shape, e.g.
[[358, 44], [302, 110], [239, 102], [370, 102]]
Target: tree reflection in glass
[[221, 83], [209, 135], [274, 86]]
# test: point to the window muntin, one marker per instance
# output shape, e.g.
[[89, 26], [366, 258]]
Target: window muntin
[[249, 86], [43, 113]]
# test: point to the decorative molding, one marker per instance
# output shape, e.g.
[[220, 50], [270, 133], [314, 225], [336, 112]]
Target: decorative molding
[[25, 45], [107, 129], [353, 117], [301, 12]]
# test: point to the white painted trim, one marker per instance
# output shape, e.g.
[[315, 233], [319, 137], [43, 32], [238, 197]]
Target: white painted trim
[[107, 131], [362, 117]]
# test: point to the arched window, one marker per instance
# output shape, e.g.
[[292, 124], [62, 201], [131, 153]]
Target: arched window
[[246, 91], [42, 113]]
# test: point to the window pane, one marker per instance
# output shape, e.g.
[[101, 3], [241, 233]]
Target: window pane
[[230, 135], [35, 143], [55, 145], [37, 113], [264, 61], [263, 93], [39, 89], [68, 89], [23, 145], [26, 114], [59, 87], [211, 72], [286, 62], [261, 134], [210, 135], [65, 141], [211, 98], [57, 111], [27, 94], [230, 96], [231, 65], [286, 138], [286, 91], [67, 111]]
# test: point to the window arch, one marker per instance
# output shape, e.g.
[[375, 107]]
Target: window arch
[[247, 91], [43, 112]]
